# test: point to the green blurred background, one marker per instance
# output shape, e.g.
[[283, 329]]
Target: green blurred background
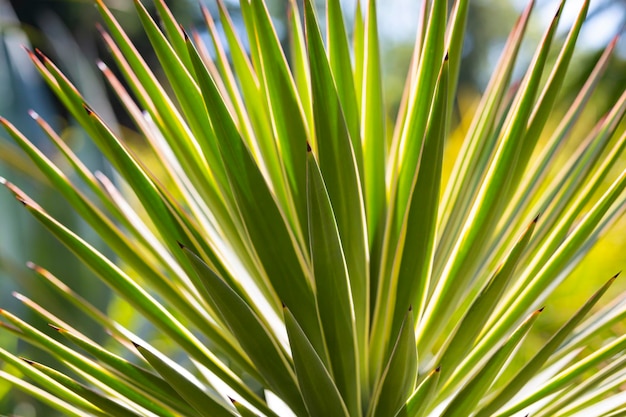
[[65, 31]]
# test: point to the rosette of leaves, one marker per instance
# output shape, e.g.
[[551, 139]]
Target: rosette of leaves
[[303, 255]]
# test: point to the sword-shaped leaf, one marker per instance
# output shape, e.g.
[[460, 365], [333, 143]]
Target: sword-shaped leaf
[[332, 286], [255, 338], [418, 403], [205, 405], [105, 406], [464, 402], [397, 381], [320, 394], [470, 326], [540, 358], [274, 241], [339, 169]]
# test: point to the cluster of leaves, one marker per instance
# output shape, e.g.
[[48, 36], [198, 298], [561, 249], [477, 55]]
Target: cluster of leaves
[[300, 252]]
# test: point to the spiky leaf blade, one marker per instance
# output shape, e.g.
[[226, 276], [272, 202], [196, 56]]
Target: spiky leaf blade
[[253, 335], [334, 299], [397, 381], [472, 392], [320, 394], [540, 358], [204, 404]]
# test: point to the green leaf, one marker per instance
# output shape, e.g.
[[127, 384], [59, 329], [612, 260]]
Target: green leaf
[[397, 381], [477, 148], [568, 376], [51, 391], [274, 241], [288, 120], [153, 98], [253, 335], [320, 394], [188, 94], [419, 401], [489, 200], [420, 219], [44, 395], [542, 108], [471, 393], [338, 57], [106, 406], [117, 387], [339, 169], [470, 326], [358, 45], [201, 401], [541, 167], [407, 146], [117, 241], [454, 46], [134, 294], [409, 241], [250, 88], [540, 358], [589, 392], [173, 31], [373, 134], [138, 378], [334, 300], [299, 63], [133, 374], [536, 279], [242, 410]]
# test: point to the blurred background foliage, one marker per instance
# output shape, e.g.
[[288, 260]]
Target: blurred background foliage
[[66, 31]]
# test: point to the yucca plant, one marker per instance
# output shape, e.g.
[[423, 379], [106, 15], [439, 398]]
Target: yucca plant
[[299, 254]]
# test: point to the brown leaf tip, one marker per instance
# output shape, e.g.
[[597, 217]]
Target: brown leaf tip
[[438, 369], [540, 310], [308, 146], [180, 245], [28, 361], [57, 328], [445, 58], [536, 219], [184, 32], [87, 109]]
